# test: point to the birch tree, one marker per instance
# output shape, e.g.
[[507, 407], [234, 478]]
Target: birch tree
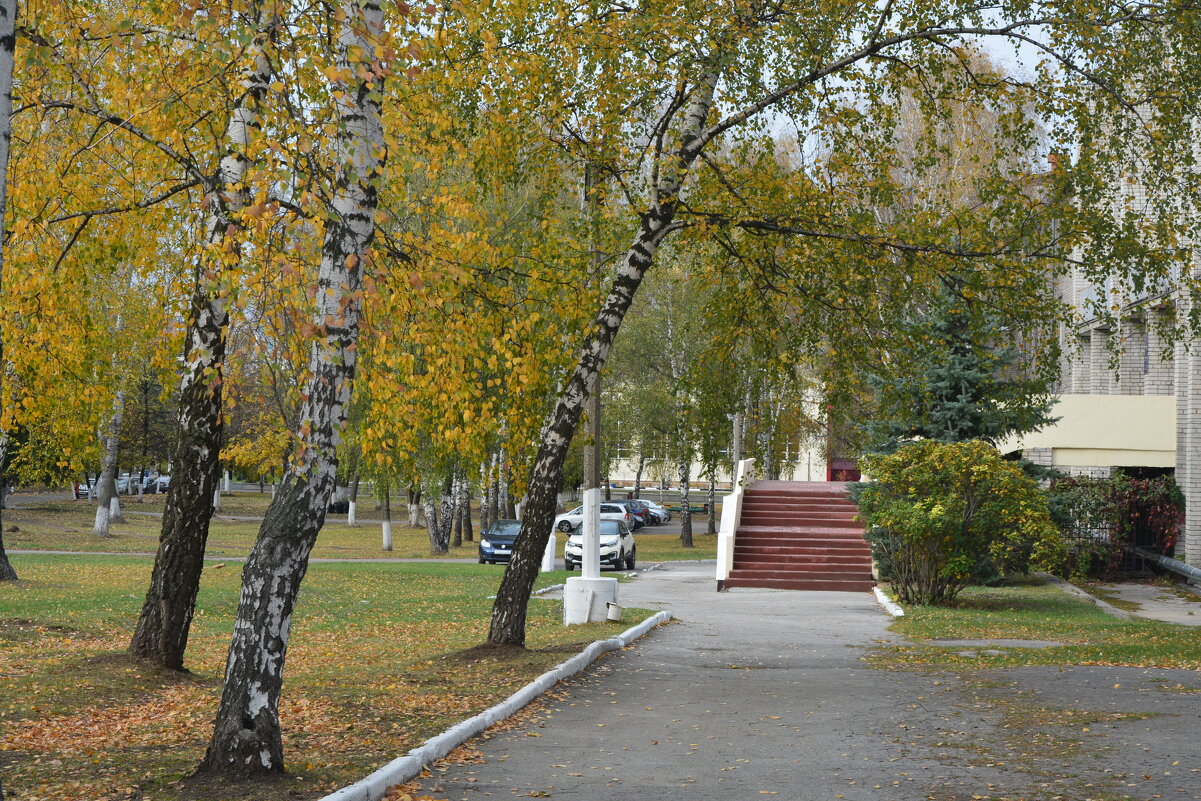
[[246, 736], [162, 630], [8, 44]]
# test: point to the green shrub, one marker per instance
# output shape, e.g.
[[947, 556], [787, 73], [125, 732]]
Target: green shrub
[[945, 515]]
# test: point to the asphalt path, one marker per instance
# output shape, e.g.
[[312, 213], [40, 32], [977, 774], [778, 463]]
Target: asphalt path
[[758, 693]]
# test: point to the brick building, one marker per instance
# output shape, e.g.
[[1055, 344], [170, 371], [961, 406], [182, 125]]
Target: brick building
[[1128, 399]]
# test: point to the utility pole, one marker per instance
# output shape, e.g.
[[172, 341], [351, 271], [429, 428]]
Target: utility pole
[[590, 562], [586, 599]]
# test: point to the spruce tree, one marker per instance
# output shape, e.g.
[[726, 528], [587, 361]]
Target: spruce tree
[[966, 382]]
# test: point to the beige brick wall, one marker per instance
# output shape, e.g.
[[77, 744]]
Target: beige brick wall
[[1133, 358]]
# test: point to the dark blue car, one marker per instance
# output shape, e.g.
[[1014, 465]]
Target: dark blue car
[[496, 543]]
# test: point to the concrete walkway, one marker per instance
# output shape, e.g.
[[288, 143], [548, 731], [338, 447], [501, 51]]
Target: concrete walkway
[[738, 700], [759, 692], [1157, 602]]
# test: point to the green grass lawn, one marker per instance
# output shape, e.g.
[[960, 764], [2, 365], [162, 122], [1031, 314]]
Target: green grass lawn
[[67, 526], [1032, 610], [382, 656]]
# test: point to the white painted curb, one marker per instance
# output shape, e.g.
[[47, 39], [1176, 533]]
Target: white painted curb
[[889, 604], [402, 769]]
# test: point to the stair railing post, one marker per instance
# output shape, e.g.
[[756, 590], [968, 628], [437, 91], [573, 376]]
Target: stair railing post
[[731, 513]]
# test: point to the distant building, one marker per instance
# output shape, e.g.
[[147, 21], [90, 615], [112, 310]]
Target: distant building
[[1142, 414]]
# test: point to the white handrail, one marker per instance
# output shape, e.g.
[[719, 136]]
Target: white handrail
[[731, 514]]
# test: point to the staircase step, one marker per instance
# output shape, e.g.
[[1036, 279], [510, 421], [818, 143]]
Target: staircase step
[[851, 574], [769, 545], [802, 544], [825, 570], [798, 521], [819, 585], [804, 560], [776, 531], [816, 513], [837, 488], [798, 500]]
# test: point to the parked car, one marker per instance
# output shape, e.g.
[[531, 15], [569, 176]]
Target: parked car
[[662, 513], [617, 548], [496, 542], [156, 484], [643, 510], [570, 521], [83, 488]]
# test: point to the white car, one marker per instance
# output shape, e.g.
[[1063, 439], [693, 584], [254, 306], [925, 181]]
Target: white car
[[617, 548], [570, 521]]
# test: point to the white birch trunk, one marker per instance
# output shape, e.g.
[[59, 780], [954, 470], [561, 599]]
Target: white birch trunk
[[414, 508], [108, 510], [432, 529], [247, 736], [506, 499], [386, 526], [8, 45], [683, 444], [164, 624], [352, 519]]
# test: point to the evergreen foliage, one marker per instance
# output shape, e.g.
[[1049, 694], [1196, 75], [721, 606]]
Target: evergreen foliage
[[966, 383]]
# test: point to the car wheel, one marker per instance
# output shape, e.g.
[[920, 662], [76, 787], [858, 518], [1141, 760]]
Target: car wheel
[[568, 566], [565, 525], [630, 561], [483, 561]]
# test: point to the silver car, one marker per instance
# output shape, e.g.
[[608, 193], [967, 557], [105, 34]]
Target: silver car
[[571, 521], [617, 548]]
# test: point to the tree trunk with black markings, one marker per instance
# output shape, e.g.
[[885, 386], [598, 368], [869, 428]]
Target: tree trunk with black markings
[[247, 737], [512, 598], [162, 631]]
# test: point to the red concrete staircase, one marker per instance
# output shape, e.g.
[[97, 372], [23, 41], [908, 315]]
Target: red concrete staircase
[[800, 535]]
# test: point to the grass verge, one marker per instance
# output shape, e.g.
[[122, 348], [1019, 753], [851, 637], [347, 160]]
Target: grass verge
[[382, 656], [1031, 610], [67, 526]]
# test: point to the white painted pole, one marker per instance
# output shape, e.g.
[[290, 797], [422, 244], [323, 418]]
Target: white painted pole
[[229, 487], [548, 556], [590, 562], [387, 535]]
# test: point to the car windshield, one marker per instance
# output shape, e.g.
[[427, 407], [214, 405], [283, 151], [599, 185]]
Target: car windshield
[[608, 528], [505, 528]]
